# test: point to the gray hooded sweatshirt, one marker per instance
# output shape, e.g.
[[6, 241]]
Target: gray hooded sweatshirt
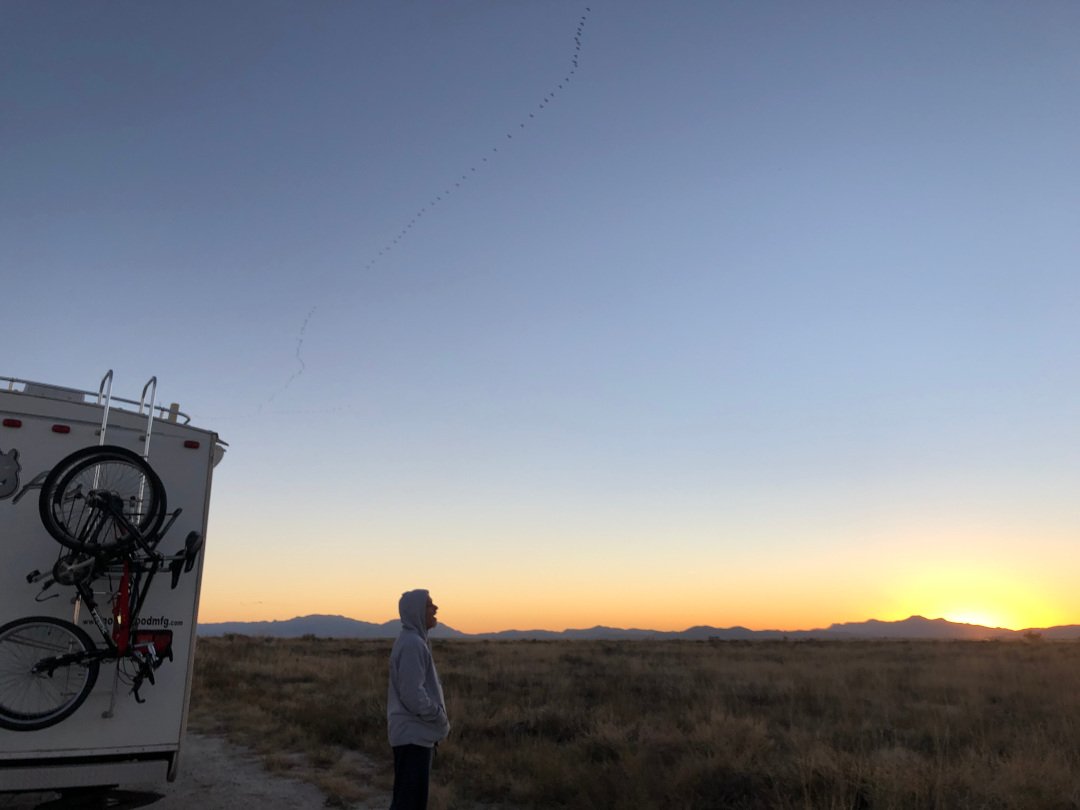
[[415, 707]]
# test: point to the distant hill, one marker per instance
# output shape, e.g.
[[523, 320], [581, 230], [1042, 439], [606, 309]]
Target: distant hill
[[918, 627], [316, 625], [913, 627]]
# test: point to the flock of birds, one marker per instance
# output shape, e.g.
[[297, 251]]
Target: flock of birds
[[441, 197], [489, 155]]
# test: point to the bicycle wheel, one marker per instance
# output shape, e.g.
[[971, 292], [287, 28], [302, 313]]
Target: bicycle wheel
[[92, 499], [47, 668]]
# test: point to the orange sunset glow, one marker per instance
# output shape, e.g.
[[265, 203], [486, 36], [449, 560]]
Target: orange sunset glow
[[654, 593]]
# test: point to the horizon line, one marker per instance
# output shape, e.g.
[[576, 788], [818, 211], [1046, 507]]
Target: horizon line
[[647, 629]]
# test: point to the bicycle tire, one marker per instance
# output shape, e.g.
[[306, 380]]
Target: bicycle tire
[[32, 700], [71, 518]]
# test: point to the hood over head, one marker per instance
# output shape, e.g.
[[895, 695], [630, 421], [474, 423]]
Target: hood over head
[[412, 606]]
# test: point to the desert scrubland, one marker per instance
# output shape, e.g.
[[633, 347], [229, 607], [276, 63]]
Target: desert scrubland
[[631, 724]]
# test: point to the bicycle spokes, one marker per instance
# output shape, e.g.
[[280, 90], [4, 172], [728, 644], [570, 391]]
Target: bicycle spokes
[[47, 668]]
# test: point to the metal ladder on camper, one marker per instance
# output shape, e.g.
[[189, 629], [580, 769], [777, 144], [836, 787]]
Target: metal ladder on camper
[[105, 399]]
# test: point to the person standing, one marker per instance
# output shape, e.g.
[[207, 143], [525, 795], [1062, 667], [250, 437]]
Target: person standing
[[415, 707]]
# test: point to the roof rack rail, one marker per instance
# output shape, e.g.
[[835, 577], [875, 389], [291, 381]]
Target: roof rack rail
[[37, 389]]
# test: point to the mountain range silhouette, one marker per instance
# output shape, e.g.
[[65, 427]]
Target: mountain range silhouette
[[912, 628]]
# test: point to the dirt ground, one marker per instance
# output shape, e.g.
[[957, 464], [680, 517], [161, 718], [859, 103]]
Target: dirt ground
[[214, 775]]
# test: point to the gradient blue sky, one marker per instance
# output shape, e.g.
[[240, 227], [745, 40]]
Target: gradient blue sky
[[771, 316]]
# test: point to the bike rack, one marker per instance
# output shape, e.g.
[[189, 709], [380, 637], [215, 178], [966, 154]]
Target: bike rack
[[105, 392]]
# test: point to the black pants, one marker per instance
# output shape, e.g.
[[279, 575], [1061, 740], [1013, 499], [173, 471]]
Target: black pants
[[412, 770]]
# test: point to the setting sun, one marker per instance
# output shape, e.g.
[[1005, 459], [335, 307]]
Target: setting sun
[[975, 594], [985, 619]]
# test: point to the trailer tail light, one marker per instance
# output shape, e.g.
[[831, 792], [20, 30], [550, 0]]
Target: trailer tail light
[[61, 428], [191, 444], [13, 423]]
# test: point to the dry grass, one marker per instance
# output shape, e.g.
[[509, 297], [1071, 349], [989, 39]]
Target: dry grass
[[675, 724]]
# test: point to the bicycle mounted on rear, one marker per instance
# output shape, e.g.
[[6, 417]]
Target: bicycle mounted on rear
[[107, 507]]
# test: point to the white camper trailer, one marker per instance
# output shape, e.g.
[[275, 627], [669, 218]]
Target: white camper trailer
[[106, 734]]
